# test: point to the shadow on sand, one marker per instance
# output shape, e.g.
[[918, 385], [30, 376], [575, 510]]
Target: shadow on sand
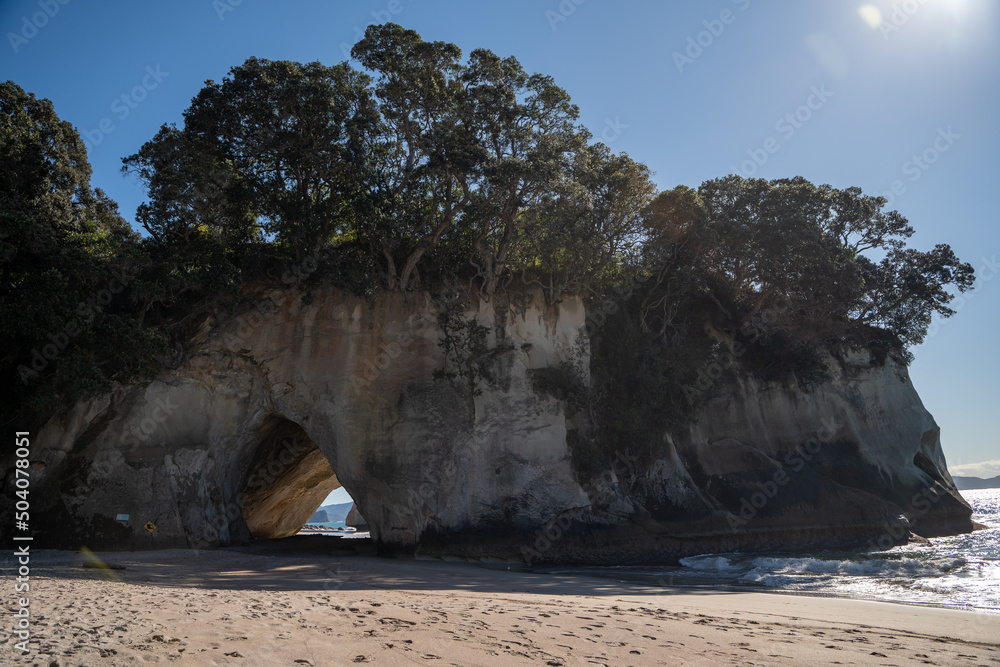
[[327, 563]]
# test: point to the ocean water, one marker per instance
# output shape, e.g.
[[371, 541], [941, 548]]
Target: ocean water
[[329, 524], [338, 526], [961, 571]]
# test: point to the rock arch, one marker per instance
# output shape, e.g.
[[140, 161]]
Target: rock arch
[[287, 480], [230, 444]]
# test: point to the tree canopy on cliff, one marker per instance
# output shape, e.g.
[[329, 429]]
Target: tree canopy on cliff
[[795, 247], [424, 169], [430, 162], [67, 327]]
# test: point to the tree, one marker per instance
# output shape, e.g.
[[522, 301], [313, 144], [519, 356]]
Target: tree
[[586, 237], [793, 243], [435, 161], [67, 324], [858, 223], [526, 125], [276, 149], [904, 290], [769, 238], [678, 216], [476, 169], [422, 170], [469, 149]]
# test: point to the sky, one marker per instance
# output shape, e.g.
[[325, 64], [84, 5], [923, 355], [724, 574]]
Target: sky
[[899, 98]]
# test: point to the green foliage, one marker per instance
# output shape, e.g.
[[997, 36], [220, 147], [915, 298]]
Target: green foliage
[[433, 165], [646, 358], [799, 246], [759, 277], [68, 322], [585, 237], [469, 359], [428, 169], [424, 159], [272, 152], [568, 381], [905, 289]]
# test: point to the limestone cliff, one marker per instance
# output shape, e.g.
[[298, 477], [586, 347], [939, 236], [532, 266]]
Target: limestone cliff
[[355, 520], [268, 409]]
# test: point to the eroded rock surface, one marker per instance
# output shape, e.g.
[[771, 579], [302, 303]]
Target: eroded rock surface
[[355, 520], [273, 406]]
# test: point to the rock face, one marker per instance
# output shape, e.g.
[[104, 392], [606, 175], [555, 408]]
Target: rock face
[[355, 520], [972, 483], [337, 511], [272, 407], [319, 516]]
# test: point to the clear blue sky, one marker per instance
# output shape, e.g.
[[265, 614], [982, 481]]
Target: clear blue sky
[[924, 82]]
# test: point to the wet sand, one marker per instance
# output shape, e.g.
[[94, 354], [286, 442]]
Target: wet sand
[[323, 601]]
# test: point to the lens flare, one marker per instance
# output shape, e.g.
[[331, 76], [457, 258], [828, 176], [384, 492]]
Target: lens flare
[[871, 15]]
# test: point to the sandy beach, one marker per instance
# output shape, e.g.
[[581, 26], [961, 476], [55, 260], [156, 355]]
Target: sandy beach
[[325, 602]]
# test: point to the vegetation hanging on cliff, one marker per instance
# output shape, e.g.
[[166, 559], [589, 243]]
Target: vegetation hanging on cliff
[[71, 267], [424, 169]]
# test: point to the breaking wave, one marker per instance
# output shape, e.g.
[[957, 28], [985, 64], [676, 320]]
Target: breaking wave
[[959, 571]]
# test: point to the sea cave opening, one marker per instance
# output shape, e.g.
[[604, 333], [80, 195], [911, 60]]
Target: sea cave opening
[[289, 479]]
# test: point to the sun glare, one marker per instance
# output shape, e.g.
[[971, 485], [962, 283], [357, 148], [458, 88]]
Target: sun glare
[[871, 15]]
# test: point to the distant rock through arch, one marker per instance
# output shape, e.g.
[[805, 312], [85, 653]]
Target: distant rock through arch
[[288, 480]]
